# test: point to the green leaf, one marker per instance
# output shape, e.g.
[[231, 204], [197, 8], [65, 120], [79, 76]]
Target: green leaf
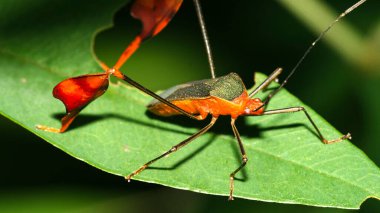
[[287, 161]]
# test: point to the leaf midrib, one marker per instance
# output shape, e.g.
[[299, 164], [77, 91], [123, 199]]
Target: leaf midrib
[[26, 60]]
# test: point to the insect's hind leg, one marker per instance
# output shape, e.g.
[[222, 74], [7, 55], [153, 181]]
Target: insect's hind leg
[[299, 109], [174, 148], [244, 158]]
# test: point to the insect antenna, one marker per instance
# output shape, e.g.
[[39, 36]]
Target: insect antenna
[[205, 37], [347, 11]]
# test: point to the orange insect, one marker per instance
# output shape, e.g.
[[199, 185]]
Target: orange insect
[[218, 96], [226, 95]]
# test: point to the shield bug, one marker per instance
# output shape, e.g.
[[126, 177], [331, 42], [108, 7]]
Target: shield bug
[[227, 95]]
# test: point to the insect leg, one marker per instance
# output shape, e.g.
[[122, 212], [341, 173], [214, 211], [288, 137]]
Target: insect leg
[[244, 158], [174, 148], [120, 75], [205, 37], [298, 109], [273, 76]]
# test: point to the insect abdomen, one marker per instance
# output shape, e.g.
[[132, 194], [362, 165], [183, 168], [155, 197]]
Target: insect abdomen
[[203, 106]]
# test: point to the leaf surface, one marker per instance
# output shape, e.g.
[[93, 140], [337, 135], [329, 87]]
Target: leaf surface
[[287, 162]]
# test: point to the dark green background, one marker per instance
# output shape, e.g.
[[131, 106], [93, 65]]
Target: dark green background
[[246, 36]]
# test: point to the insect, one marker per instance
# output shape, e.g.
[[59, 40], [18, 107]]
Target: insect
[[218, 96], [225, 95]]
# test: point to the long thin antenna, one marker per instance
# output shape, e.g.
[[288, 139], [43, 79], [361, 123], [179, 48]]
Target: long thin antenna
[[347, 11], [205, 37]]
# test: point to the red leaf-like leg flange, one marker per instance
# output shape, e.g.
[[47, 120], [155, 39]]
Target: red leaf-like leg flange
[[76, 93]]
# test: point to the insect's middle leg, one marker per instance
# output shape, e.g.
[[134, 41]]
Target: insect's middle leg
[[299, 109], [174, 148], [244, 158]]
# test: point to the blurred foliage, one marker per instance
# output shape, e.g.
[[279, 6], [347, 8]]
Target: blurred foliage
[[246, 36]]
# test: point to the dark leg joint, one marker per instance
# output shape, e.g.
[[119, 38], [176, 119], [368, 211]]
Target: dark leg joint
[[245, 159], [232, 176]]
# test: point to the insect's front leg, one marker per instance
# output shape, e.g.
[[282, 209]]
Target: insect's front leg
[[272, 77]]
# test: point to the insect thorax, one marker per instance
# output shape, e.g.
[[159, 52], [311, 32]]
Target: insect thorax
[[226, 87]]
